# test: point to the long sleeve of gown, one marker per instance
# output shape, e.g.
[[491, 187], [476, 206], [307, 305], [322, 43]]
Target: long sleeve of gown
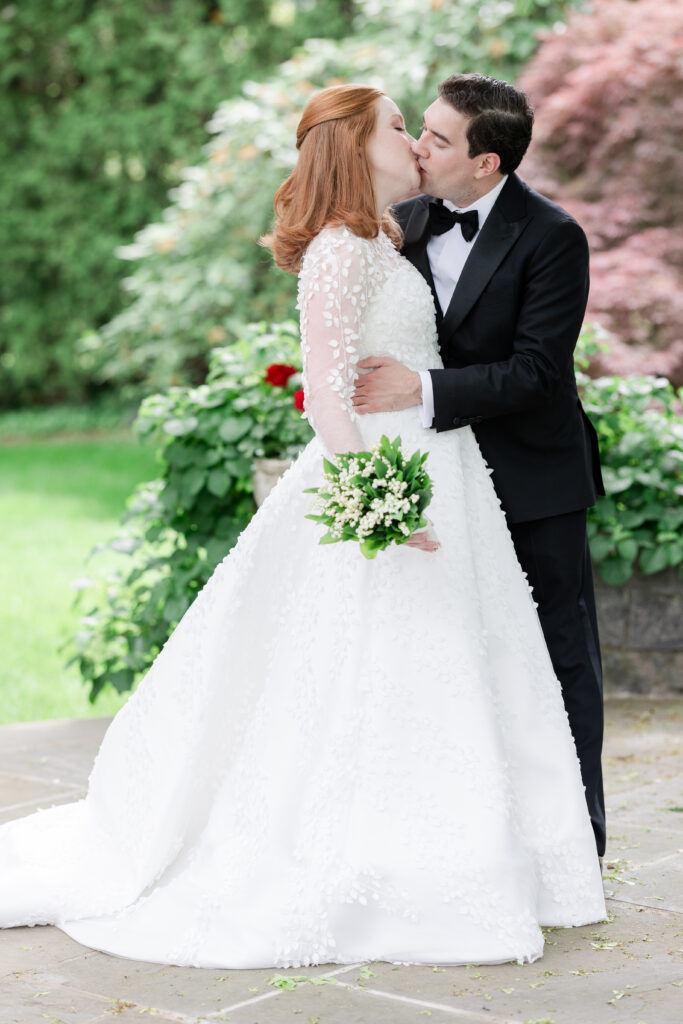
[[332, 297]]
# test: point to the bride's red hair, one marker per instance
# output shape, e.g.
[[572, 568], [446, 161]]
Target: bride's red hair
[[331, 183]]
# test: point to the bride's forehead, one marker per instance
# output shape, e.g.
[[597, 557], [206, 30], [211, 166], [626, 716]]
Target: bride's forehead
[[386, 109]]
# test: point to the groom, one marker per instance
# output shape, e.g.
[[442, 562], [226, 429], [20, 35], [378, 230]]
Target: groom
[[509, 273]]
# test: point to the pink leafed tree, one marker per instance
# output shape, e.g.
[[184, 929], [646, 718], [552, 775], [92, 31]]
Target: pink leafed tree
[[608, 146]]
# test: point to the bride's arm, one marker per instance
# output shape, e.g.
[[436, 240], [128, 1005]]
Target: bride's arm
[[332, 298]]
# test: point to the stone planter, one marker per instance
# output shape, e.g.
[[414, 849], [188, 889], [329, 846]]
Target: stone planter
[[641, 633], [265, 473]]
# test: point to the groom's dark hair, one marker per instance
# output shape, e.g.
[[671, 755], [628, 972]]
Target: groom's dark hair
[[499, 116]]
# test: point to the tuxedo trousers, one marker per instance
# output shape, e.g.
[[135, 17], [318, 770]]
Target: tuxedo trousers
[[554, 554]]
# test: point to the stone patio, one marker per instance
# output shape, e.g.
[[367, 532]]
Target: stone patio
[[628, 970]]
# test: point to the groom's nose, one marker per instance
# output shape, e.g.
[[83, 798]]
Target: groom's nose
[[418, 147]]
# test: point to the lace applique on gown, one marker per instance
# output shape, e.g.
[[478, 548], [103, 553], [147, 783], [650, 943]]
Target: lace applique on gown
[[334, 760]]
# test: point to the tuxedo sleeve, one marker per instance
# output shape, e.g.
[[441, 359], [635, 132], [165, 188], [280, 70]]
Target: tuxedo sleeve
[[548, 325]]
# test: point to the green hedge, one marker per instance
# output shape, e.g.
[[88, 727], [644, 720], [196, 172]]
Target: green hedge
[[102, 105]]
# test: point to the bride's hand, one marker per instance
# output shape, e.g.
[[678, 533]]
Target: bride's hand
[[424, 540]]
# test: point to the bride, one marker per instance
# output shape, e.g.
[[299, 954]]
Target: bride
[[334, 760]]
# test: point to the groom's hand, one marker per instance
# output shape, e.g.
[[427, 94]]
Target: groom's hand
[[389, 387]]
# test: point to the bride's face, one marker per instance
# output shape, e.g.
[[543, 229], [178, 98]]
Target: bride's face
[[394, 168]]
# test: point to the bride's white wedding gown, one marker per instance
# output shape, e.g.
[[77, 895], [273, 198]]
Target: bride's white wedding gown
[[334, 759]]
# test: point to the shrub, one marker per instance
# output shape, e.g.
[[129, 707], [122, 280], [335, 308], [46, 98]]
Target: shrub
[[608, 145], [176, 529], [639, 521]]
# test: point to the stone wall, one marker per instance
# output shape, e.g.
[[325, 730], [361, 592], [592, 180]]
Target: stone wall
[[641, 633]]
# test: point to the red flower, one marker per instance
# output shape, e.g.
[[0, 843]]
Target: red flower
[[278, 374], [299, 399]]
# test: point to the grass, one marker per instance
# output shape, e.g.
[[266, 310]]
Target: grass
[[46, 421], [58, 498]]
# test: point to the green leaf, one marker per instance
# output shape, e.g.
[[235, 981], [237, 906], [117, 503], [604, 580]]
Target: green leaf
[[601, 546], [425, 496], [121, 679], [170, 497], [632, 517], [674, 552], [174, 608], [616, 571], [216, 549], [178, 427], [368, 549], [233, 428], [628, 549], [219, 482], [615, 484], [607, 508], [671, 518], [193, 480], [226, 526], [654, 560], [180, 455], [238, 467]]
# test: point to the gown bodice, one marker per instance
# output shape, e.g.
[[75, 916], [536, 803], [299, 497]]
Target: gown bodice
[[358, 297]]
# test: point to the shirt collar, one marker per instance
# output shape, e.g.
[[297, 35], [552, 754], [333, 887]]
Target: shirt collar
[[483, 205]]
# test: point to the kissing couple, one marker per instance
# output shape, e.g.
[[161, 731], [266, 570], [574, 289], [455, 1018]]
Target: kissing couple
[[333, 760]]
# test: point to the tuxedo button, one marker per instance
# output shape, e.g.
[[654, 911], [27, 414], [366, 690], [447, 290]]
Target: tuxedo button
[[457, 422]]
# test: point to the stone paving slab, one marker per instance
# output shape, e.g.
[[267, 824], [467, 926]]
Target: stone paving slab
[[27, 950], [627, 970]]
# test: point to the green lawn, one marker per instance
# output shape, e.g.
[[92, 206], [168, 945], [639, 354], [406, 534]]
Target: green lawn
[[58, 498]]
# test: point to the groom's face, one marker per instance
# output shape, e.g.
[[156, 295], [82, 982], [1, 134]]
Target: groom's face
[[446, 169]]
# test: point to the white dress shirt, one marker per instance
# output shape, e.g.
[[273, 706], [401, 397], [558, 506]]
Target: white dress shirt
[[447, 255]]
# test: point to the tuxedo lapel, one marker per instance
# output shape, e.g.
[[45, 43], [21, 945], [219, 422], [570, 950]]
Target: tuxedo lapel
[[503, 226], [415, 227], [415, 238], [418, 257]]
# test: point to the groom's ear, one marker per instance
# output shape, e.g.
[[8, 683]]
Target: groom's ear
[[488, 163]]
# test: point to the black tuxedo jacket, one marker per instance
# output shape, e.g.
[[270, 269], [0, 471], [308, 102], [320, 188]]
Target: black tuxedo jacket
[[507, 341]]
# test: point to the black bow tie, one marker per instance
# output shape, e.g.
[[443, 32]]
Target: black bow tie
[[442, 219]]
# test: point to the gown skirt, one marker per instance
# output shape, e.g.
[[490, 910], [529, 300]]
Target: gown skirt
[[332, 759]]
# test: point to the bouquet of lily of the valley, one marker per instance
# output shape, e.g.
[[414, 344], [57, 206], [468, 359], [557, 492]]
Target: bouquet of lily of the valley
[[376, 498]]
